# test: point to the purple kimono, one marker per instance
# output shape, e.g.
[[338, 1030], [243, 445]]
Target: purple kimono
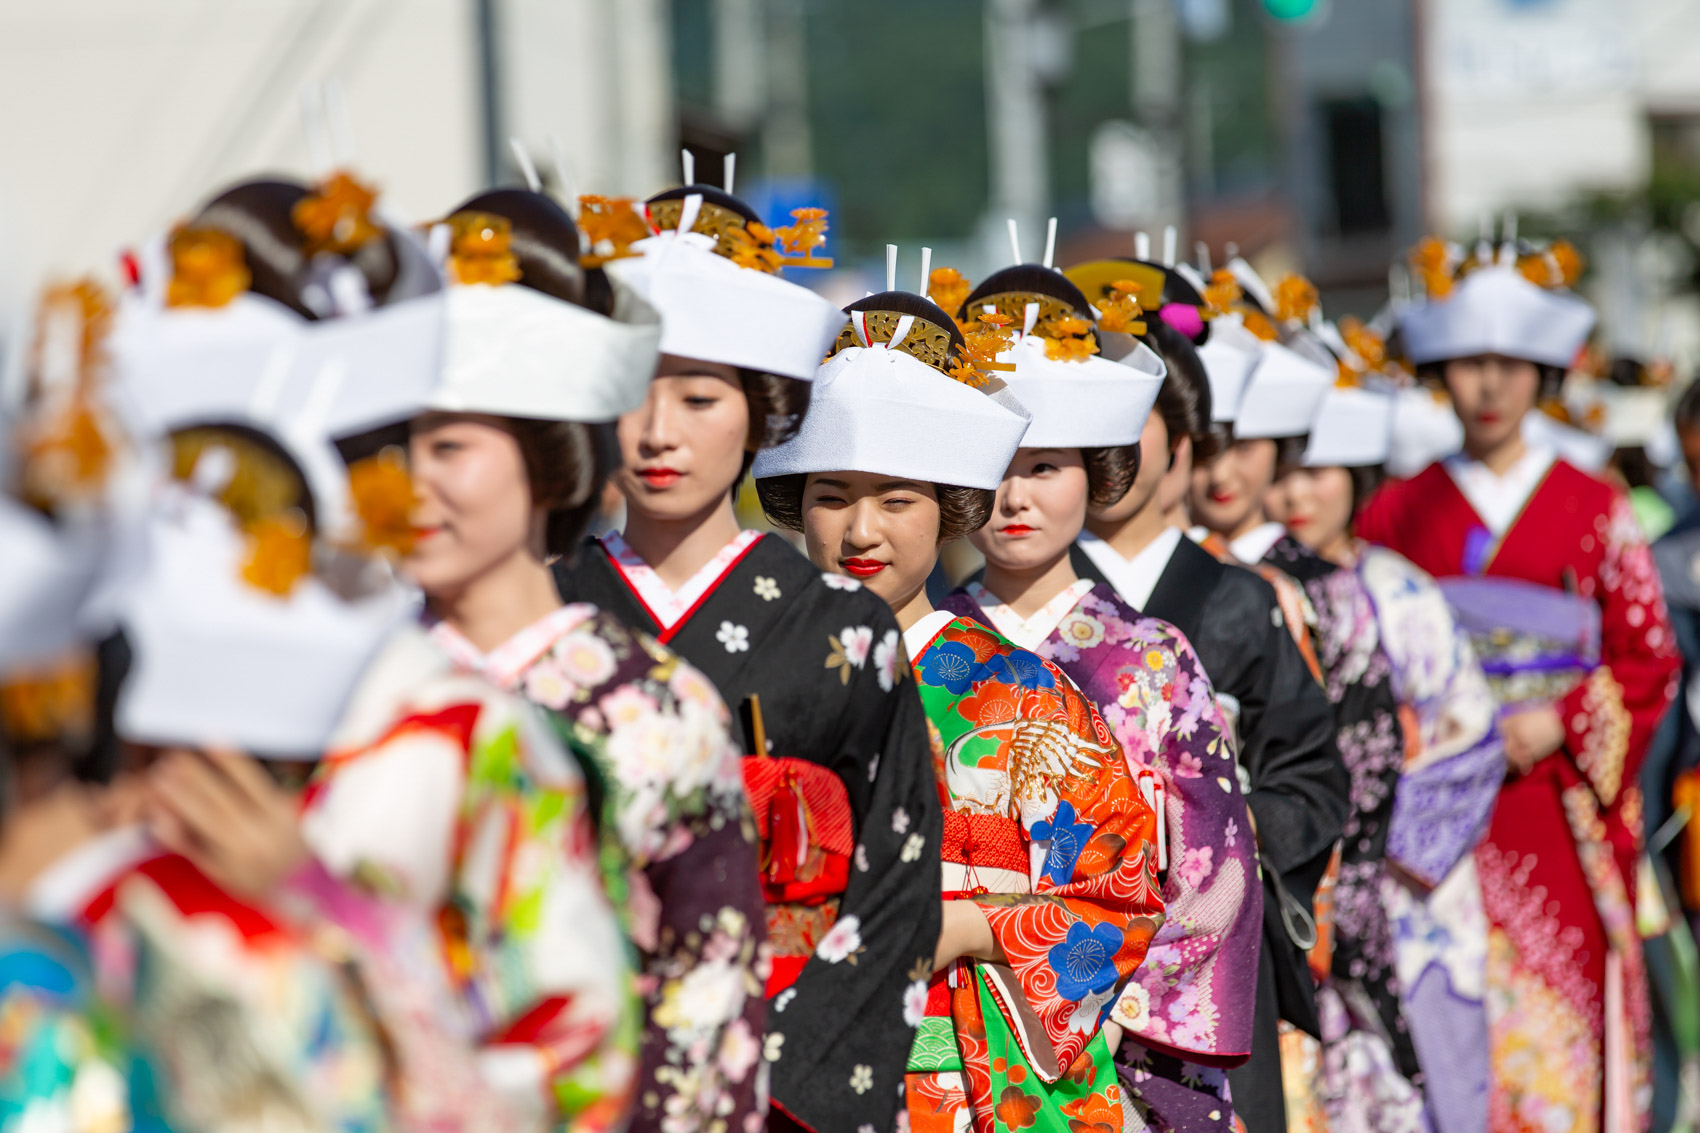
[[1187, 1011]]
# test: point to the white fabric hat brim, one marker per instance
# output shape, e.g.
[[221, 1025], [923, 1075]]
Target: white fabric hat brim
[[516, 352], [1494, 310], [1229, 356], [1353, 429], [1282, 395], [715, 311], [1425, 429], [1092, 403], [217, 661], [882, 411]]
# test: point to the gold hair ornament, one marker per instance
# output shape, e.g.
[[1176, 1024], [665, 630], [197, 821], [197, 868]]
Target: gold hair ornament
[[337, 216], [208, 268], [481, 250], [67, 451], [612, 222], [1121, 310]]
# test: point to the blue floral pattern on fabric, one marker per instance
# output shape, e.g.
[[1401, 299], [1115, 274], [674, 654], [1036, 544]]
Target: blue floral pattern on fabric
[[1085, 961], [950, 664], [1030, 670], [1067, 837]]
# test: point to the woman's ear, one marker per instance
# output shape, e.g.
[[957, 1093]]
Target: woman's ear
[[1181, 448]]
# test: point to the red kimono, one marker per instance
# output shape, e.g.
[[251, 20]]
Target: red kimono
[[1567, 995]]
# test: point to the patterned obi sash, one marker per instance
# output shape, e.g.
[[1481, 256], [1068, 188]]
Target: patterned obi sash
[[982, 853], [803, 819], [1534, 643]]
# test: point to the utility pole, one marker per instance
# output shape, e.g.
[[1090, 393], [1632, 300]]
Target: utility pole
[[1015, 117], [1156, 92]]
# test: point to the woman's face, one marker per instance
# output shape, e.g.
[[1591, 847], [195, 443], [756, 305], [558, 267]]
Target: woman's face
[[1315, 504], [682, 450], [474, 508], [1227, 493], [1040, 509], [880, 529], [1153, 463], [1491, 395]]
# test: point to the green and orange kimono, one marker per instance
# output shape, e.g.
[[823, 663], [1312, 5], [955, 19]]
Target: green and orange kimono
[[1047, 831]]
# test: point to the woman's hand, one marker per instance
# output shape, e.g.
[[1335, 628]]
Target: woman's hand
[[223, 812], [1112, 1035], [964, 932], [1530, 736], [39, 833]]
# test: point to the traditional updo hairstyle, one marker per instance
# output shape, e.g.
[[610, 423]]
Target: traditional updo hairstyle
[[777, 404], [962, 511], [1183, 400], [566, 462]]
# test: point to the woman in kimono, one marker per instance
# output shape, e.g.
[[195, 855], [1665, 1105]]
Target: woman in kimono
[[1454, 762], [1547, 570], [1190, 1003], [1050, 870], [510, 466], [424, 785], [1362, 1013], [1294, 781], [845, 808], [299, 1004]]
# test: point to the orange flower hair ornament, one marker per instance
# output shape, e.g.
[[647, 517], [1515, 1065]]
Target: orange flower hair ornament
[[948, 288], [384, 499], [67, 451], [280, 553], [208, 268], [612, 222], [1222, 292], [1296, 300], [800, 238], [751, 246], [1559, 265], [1068, 338], [1121, 311], [337, 216], [482, 249], [987, 336], [1433, 262]]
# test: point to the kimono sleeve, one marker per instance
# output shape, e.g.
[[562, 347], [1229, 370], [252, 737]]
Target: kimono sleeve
[[1072, 943], [1609, 719], [845, 1011]]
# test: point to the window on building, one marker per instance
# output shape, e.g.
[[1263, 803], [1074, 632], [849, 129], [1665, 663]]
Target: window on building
[[1352, 131]]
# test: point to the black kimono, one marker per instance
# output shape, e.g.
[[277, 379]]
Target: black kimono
[[1358, 682], [1298, 790], [827, 661]]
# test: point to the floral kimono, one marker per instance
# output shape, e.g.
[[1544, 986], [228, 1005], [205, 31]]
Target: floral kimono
[[1453, 769], [457, 799], [1295, 786], [1192, 997], [680, 845], [846, 810], [1369, 1067], [1047, 831], [1548, 570], [159, 1000]]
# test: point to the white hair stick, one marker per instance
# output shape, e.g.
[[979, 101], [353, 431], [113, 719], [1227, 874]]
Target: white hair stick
[[1029, 316], [1508, 240], [926, 271], [891, 267], [527, 169], [1050, 241], [1201, 250], [1142, 246], [1014, 241], [688, 160], [564, 187], [1170, 239], [319, 159], [731, 169]]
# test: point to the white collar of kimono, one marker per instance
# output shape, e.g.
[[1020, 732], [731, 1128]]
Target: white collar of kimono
[[1498, 500], [1254, 544], [1029, 632], [920, 635], [505, 665], [62, 891], [669, 607], [1133, 579]]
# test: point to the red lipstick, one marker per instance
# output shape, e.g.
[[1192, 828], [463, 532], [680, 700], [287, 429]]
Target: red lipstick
[[1016, 530], [660, 477], [862, 568]]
